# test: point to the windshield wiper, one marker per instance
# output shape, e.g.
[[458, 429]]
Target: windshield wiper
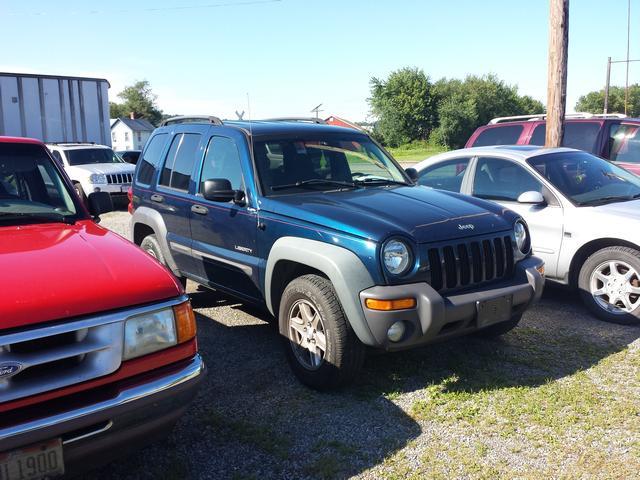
[[379, 181], [603, 200], [38, 217], [312, 182]]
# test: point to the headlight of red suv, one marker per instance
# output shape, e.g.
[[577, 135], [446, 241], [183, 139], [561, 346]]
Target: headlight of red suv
[[154, 331]]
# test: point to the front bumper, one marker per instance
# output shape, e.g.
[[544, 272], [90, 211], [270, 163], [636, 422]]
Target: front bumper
[[437, 317], [115, 189], [133, 415]]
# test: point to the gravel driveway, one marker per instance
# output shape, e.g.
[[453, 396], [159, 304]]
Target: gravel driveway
[[557, 397]]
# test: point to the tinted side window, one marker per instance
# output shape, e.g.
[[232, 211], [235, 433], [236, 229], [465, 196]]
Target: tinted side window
[[445, 176], [502, 135], [151, 158], [626, 144], [222, 160], [579, 135], [180, 161], [497, 179]]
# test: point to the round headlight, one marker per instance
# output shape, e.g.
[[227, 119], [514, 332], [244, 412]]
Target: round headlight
[[522, 237], [396, 257]]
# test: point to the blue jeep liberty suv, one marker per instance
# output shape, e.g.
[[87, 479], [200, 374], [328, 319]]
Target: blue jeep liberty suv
[[323, 228]]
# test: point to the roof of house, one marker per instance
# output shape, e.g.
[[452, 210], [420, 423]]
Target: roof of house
[[137, 125]]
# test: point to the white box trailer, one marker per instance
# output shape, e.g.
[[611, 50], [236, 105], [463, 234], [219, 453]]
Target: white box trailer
[[55, 108]]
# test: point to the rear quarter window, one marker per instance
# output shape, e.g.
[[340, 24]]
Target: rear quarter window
[[501, 135], [578, 135], [151, 158]]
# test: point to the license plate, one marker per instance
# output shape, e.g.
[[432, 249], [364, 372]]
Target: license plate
[[35, 461], [494, 310]]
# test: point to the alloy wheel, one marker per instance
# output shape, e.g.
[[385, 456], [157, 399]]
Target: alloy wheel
[[615, 286], [307, 334]]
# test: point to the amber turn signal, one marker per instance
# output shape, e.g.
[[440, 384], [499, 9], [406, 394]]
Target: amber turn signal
[[540, 269], [387, 305], [185, 321]]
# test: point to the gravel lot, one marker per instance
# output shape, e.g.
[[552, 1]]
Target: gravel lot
[[557, 397]]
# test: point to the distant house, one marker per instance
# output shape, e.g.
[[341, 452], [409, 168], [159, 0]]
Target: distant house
[[130, 133], [341, 122]]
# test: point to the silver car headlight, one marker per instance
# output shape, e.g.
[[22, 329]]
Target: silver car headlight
[[149, 333], [396, 257], [98, 178], [522, 237]]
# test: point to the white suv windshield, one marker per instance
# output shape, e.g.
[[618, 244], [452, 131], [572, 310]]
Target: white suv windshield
[[586, 179], [323, 164], [31, 189], [89, 156]]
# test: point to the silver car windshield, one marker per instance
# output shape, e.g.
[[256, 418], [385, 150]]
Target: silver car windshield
[[290, 165], [31, 188], [586, 179]]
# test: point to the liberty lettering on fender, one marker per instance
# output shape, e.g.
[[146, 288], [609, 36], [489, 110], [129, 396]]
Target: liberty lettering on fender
[[243, 249], [467, 226]]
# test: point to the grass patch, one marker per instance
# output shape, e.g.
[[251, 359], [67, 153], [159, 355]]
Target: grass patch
[[251, 433], [415, 151]]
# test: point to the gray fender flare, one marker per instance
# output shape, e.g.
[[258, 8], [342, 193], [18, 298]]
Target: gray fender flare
[[152, 218], [342, 267]]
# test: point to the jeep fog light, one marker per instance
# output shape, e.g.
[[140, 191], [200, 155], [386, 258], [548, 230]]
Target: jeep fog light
[[148, 333], [396, 332]]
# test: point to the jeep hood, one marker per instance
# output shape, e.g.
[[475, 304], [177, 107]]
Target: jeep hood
[[106, 168], [56, 271], [376, 213]]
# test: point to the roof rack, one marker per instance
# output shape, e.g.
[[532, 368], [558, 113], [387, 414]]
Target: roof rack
[[543, 116], [319, 121], [191, 119]]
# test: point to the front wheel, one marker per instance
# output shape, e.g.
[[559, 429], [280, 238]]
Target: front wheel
[[320, 345], [151, 245], [609, 283]]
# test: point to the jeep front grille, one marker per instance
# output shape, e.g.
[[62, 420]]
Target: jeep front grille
[[119, 178], [458, 265]]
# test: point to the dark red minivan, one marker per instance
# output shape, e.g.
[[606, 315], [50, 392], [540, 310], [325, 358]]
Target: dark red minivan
[[613, 137]]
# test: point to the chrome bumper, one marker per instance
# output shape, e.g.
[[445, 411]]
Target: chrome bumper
[[134, 415]]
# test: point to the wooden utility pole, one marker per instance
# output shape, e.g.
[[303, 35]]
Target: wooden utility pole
[[557, 75]]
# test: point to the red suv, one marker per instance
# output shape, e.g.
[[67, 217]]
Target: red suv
[[612, 137], [97, 340]]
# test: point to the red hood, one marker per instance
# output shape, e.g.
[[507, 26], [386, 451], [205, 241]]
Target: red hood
[[53, 271]]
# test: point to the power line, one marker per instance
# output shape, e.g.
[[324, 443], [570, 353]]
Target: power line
[[152, 9]]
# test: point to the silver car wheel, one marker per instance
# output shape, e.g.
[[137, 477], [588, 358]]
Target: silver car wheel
[[615, 286], [307, 334]]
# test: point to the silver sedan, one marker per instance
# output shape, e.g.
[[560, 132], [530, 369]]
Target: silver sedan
[[583, 213]]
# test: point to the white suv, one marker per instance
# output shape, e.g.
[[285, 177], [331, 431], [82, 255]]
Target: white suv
[[583, 213], [94, 168]]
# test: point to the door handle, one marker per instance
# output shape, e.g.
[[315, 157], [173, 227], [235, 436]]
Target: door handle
[[199, 209], [157, 198]]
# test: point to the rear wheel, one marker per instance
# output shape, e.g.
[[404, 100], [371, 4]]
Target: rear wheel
[[151, 245], [609, 283], [321, 347]]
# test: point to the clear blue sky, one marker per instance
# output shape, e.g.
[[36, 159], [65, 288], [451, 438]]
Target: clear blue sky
[[290, 55]]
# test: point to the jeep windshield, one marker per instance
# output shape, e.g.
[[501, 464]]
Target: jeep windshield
[[31, 188], [291, 165], [587, 180], [89, 156]]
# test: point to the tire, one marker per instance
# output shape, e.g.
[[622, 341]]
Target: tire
[[312, 297], [612, 274], [150, 245], [499, 329]]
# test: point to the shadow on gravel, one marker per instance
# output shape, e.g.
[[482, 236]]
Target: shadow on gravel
[[252, 419]]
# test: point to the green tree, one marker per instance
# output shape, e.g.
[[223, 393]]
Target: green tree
[[138, 99], [593, 102], [404, 106], [464, 105]]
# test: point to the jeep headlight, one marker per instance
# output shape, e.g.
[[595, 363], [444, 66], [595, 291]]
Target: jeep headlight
[[522, 237], [98, 178], [396, 257]]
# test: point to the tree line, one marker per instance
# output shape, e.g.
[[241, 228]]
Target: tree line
[[409, 107]]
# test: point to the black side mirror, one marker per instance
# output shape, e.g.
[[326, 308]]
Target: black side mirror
[[412, 173], [219, 190], [99, 203]]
